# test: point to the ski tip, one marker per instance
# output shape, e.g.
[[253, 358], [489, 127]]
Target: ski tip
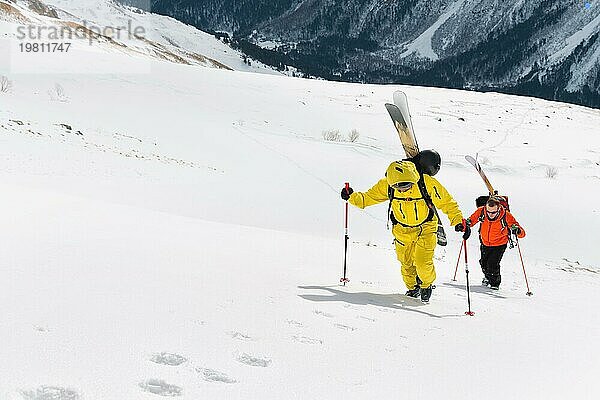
[[472, 161]]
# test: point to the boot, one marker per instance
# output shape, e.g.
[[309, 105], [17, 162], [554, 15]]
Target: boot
[[426, 294], [414, 293], [495, 282]]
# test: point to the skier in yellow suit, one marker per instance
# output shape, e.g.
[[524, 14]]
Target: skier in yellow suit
[[414, 222]]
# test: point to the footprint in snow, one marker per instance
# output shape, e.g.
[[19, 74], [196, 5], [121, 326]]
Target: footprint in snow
[[168, 359], [161, 388], [306, 340], [254, 361], [50, 393], [215, 376]]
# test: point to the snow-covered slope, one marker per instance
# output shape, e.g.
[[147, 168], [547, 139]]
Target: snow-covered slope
[[112, 27], [165, 31], [179, 233]]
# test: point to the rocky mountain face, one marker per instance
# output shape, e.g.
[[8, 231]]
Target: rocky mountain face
[[544, 48]]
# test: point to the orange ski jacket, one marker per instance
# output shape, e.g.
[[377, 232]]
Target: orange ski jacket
[[494, 232]]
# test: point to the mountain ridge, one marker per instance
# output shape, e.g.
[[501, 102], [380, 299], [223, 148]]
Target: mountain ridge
[[485, 45]]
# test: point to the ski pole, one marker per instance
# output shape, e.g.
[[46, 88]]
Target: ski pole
[[523, 264], [344, 279], [457, 261], [471, 313]]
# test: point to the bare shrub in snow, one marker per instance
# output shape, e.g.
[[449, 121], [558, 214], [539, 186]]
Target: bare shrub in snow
[[551, 172], [332, 135], [58, 94], [353, 135], [5, 84]]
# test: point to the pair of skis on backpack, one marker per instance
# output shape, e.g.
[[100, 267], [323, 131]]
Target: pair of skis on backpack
[[400, 114]]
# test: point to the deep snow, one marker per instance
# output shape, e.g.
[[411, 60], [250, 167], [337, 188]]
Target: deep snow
[[185, 238]]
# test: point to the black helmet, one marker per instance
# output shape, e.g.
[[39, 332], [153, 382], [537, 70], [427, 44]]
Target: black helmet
[[429, 162]]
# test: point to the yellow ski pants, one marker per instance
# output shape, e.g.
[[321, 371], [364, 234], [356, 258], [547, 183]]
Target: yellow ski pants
[[414, 249]]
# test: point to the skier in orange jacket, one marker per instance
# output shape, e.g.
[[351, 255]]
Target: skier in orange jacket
[[497, 223]]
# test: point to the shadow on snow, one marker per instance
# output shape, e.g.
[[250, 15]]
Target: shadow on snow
[[475, 289], [394, 300]]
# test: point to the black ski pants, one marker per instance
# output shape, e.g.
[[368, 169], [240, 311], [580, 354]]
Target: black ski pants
[[490, 262]]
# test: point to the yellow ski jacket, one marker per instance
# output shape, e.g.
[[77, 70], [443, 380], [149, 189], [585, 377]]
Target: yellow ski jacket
[[410, 208]]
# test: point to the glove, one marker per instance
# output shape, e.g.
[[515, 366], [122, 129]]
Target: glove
[[467, 232], [461, 228], [515, 229], [346, 194]]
